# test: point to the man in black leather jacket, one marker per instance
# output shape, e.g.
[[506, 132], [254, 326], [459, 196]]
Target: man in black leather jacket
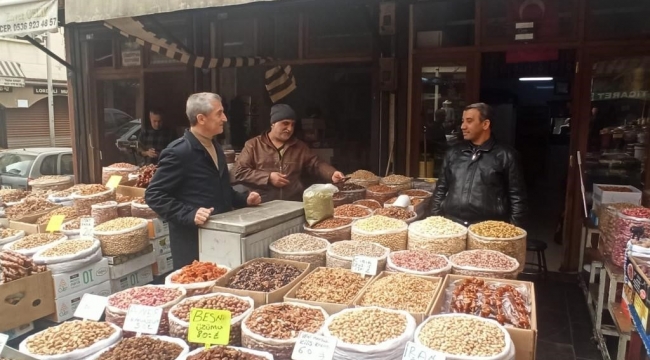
[[481, 179]]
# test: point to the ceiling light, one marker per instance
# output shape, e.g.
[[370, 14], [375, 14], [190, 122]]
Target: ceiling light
[[535, 79]]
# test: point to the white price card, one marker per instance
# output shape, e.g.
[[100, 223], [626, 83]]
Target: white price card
[[3, 341], [86, 226], [91, 307], [364, 265], [142, 319], [414, 351], [313, 347]]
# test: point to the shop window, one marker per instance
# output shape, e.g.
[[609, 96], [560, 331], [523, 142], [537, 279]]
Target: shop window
[[444, 24], [103, 53], [66, 165], [620, 19], [340, 31], [48, 166], [131, 53]]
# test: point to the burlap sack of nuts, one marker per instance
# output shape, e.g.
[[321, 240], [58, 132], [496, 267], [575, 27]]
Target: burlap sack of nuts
[[122, 236], [179, 315], [125, 351], [302, 248], [437, 235], [484, 263], [218, 353], [83, 203], [499, 236]]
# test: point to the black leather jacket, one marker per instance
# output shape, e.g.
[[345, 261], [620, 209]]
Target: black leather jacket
[[481, 183]]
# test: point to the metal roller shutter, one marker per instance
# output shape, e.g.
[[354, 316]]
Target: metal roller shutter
[[28, 127], [62, 121]]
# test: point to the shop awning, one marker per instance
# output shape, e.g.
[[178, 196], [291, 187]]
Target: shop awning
[[80, 11], [11, 74]]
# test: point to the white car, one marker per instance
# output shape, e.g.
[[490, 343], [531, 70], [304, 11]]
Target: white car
[[19, 166]]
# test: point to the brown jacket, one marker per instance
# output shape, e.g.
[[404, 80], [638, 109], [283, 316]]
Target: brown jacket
[[260, 158]]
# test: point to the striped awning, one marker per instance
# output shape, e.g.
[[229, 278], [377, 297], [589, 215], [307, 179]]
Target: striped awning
[[11, 74]]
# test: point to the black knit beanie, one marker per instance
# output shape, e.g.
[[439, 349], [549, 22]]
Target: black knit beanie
[[281, 112]]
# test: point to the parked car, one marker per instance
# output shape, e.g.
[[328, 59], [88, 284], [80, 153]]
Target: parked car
[[19, 166]]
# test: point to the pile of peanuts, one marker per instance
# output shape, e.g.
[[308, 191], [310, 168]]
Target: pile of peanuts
[[284, 321], [142, 347], [144, 295], [414, 201], [400, 292], [385, 231], [496, 229], [331, 285], [298, 243], [35, 240], [607, 215], [332, 223], [119, 224], [264, 276], [484, 259], [415, 193], [224, 353], [422, 261], [68, 337], [352, 211], [367, 326], [69, 247], [462, 336], [49, 179], [91, 189], [350, 249], [68, 211]]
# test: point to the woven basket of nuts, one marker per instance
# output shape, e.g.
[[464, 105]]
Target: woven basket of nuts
[[239, 306], [484, 263], [352, 191], [370, 333], [118, 169], [332, 229], [139, 208], [142, 347], [85, 198], [104, 212], [499, 236], [300, 247], [385, 231], [228, 352], [10, 235], [198, 278], [437, 235], [122, 236], [397, 182], [364, 178], [418, 262], [31, 244], [341, 254]]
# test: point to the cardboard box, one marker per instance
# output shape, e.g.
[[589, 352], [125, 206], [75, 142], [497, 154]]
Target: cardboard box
[[331, 308], [75, 281], [636, 290], [161, 245], [137, 278], [158, 228], [66, 306], [19, 331], [163, 265], [29, 229], [26, 300], [419, 317], [601, 196], [263, 298], [119, 271], [14, 354], [130, 191], [525, 340]]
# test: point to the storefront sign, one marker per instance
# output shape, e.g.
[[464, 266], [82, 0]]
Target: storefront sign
[[131, 58], [5, 89], [12, 82], [41, 90], [28, 17], [641, 94], [524, 31]]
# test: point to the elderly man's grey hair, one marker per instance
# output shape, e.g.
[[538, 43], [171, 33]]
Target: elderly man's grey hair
[[200, 103]]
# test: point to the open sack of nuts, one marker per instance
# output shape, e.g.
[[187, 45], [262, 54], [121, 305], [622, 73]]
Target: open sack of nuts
[[144, 347], [29, 210], [437, 235], [31, 244], [418, 262], [10, 235], [395, 212], [398, 182], [104, 212], [498, 236], [240, 307], [400, 291], [465, 337], [352, 191], [370, 333], [118, 169], [331, 285], [317, 200], [228, 353], [197, 278], [332, 229], [71, 340], [274, 328], [364, 178], [350, 211], [370, 204], [484, 263], [122, 236], [300, 247], [341, 254], [89, 195], [67, 255], [391, 233], [161, 296], [381, 193]]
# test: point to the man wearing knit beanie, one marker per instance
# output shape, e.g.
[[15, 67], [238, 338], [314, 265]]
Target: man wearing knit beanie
[[274, 163]]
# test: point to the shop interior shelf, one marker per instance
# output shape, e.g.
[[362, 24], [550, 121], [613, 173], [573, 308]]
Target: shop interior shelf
[[614, 272], [621, 319]]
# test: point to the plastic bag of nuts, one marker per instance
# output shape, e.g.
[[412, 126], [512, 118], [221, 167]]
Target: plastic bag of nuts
[[140, 209], [300, 247], [352, 212], [380, 193], [391, 233], [437, 235], [318, 204], [123, 236], [499, 236], [370, 333], [165, 348], [484, 263], [240, 307], [418, 263], [274, 328], [333, 229], [228, 352], [103, 212], [341, 254], [197, 278], [83, 203], [465, 337], [67, 255]]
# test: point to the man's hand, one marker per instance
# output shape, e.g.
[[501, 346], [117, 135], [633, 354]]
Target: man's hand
[[253, 199], [278, 180], [151, 153], [202, 215], [337, 177]]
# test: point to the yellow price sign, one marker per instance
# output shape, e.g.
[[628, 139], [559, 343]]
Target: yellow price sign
[[55, 223], [114, 181], [209, 327]]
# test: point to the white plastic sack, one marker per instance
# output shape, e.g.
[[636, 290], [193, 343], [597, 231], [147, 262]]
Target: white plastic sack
[[40, 259], [10, 239], [72, 265], [390, 266], [194, 287], [32, 251], [179, 342], [77, 354], [392, 349], [244, 350]]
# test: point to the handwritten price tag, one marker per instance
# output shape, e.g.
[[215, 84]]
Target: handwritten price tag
[[86, 229], [114, 181], [91, 307], [414, 351], [313, 347], [142, 319], [3, 341], [364, 265], [209, 327], [55, 223]]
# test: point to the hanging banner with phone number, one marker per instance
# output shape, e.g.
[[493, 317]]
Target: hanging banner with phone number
[[27, 17]]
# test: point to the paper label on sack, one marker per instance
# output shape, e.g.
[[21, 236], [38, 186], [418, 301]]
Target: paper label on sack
[[86, 227], [3, 341], [313, 347], [210, 327], [55, 223], [414, 351], [114, 181], [364, 265], [142, 319], [91, 307]]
